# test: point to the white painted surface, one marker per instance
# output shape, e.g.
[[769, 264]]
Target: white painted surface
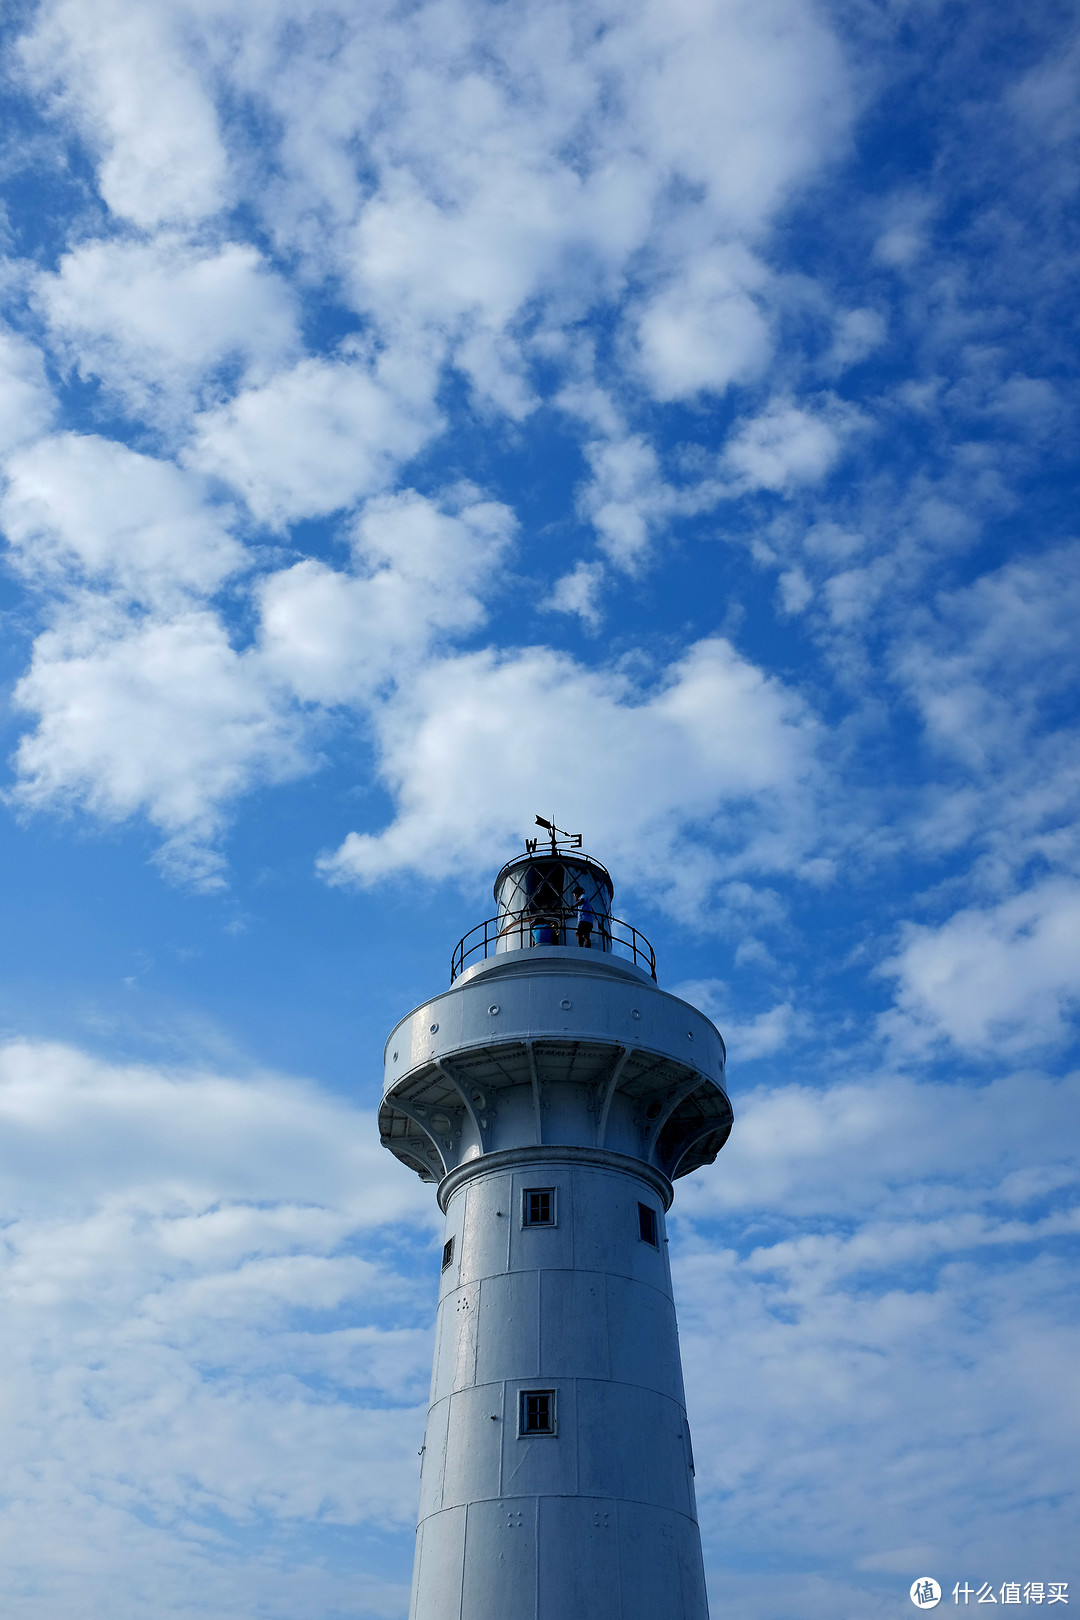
[[567, 1069], [597, 1522]]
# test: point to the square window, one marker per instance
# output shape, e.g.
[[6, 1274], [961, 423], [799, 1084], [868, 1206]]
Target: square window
[[538, 1206], [647, 1225], [447, 1252], [537, 1412]]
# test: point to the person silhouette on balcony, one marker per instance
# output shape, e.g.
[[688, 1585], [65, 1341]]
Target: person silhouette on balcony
[[585, 918]]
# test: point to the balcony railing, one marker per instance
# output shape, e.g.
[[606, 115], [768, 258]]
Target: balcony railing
[[522, 930]]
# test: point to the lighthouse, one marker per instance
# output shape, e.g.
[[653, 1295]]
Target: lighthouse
[[553, 1095]]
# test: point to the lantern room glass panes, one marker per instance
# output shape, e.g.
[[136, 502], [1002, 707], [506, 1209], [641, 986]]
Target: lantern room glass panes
[[537, 906]]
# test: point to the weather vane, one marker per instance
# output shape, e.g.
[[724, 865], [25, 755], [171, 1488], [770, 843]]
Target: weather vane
[[559, 838]]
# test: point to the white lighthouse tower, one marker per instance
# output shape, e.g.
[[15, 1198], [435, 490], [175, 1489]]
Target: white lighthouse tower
[[554, 1093]]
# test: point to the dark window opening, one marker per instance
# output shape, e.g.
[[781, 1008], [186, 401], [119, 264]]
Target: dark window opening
[[647, 1225], [538, 1206], [447, 1252], [537, 1415]]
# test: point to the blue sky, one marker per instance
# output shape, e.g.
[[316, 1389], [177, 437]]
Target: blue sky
[[415, 417]]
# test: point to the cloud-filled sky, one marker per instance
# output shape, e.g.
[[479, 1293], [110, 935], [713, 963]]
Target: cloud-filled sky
[[414, 417]]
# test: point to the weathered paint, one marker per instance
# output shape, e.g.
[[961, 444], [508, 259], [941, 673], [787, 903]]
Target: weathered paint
[[563, 1069]]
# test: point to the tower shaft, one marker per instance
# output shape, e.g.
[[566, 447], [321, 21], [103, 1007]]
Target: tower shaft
[[592, 1515], [554, 1093]]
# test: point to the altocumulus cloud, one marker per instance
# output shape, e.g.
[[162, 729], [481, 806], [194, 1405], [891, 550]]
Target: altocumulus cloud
[[217, 1329], [907, 1318], [717, 740], [479, 253], [414, 418], [197, 1335]]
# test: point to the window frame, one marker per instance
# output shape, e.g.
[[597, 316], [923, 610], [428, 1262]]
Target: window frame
[[550, 1433], [648, 1225], [448, 1253], [526, 1193]]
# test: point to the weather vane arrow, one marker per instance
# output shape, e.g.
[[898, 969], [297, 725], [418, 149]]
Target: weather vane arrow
[[559, 838]]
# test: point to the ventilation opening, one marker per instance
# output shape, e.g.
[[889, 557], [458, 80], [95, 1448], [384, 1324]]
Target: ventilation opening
[[537, 1412], [647, 1225], [538, 1206], [447, 1252]]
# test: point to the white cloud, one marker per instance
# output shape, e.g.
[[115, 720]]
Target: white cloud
[[990, 668], [746, 1040], [765, 1034], [481, 257], [194, 1338], [558, 166], [140, 701], [1047, 95], [861, 1145], [201, 1371], [625, 498], [985, 665], [158, 319], [26, 404], [81, 508], [576, 593], [852, 594], [472, 204], [158, 716], [906, 219], [704, 331], [453, 189], [858, 332], [832, 542], [144, 705], [795, 591], [481, 182], [421, 572], [319, 437], [717, 745], [786, 445], [739, 100], [840, 1419], [998, 978], [103, 1131], [216, 1355], [850, 1254], [895, 1323], [136, 87]]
